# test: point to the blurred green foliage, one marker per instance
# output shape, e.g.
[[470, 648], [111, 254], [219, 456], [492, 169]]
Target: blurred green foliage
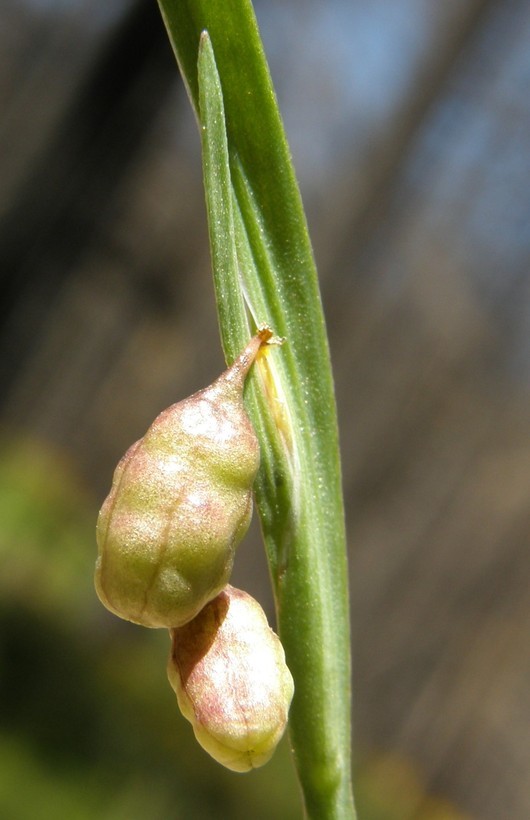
[[90, 727], [389, 787]]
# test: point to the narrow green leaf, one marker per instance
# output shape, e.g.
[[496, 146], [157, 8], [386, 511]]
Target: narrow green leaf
[[264, 271], [218, 190]]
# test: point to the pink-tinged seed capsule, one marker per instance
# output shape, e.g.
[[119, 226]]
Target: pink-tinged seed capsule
[[180, 502], [228, 670]]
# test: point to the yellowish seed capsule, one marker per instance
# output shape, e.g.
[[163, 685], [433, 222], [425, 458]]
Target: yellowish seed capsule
[[228, 670], [180, 502]]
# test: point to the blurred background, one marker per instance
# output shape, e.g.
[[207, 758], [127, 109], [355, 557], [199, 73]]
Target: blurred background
[[409, 122]]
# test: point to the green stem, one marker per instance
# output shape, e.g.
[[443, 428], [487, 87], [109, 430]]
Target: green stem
[[264, 271]]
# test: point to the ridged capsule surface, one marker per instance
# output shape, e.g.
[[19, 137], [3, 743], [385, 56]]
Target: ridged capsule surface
[[179, 504], [227, 668]]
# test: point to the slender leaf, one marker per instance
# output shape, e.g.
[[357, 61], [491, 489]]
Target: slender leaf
[[264, 271]]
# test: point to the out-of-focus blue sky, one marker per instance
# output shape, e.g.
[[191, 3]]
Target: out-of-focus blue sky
[[342, 68], [348, 73]]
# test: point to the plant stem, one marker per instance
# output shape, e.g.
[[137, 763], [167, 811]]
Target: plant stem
[[264, 271]]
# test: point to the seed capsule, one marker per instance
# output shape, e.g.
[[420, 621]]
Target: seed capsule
[[228, 670], [180, 503]]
